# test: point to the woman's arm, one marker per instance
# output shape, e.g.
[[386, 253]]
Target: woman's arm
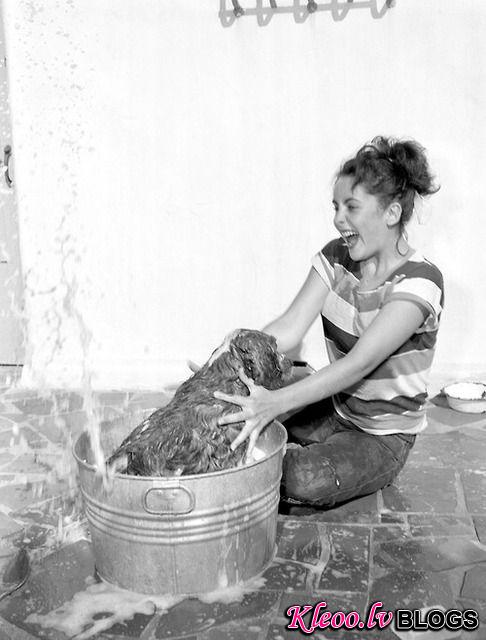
[[396, 322], [391, 328], [293, 324]]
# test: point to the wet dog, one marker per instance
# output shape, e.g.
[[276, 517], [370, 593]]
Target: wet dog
[[184, 437]]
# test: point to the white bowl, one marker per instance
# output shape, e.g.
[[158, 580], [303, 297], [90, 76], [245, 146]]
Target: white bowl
[[466, 396]]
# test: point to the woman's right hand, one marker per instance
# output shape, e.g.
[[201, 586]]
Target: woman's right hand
[[194, 367]]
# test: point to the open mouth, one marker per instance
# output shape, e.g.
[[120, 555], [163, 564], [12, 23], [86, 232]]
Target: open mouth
[[350, 237]]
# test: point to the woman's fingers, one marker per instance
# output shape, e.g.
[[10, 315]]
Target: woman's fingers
[[245, 379], [231, 418], [251, 443], [240, 400], [193, 366], [241, 437]]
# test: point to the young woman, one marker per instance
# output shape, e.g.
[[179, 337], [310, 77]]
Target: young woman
[[380, 302]]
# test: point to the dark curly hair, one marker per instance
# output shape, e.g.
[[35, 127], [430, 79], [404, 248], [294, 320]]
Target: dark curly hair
[[392, 170]]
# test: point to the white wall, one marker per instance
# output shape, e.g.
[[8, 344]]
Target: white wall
[[179, 171]]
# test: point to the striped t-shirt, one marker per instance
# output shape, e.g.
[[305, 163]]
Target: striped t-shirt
[[391, 398]]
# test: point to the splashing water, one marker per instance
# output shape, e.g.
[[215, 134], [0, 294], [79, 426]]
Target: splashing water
[[80, 617]]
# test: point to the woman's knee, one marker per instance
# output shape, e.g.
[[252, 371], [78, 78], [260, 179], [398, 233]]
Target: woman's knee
[[309, 477]]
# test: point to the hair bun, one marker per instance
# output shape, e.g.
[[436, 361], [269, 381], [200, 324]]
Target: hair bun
[[410, 163]]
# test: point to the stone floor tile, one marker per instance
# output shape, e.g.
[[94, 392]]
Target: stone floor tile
[[480, 526], [300, 541], [66, 401], [457, 449], [18, 496], [347, 568], [388, 533], [456, 577], [478, 634], [435, 554], [109, 413], [241, 630], [75, 422], [474, 483], [52, 522], [10, 529], [289, 576], [422, 490], [61, 575], [441, 415], [302, 554], [151, 398], [14, 417], [361, 511], [404, 589], [192, 616], [6, 458], [32, 463], [39, 406], [427, 451], [6, 424], [278, 631], [53, 428], [474, 586], [111, 398], [388, 517], [18, 393], [10, 632], [334, 602], [425, 524], [475, 605], [21, 435]]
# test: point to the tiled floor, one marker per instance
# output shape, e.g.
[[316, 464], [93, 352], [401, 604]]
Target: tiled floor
[[420, 542]]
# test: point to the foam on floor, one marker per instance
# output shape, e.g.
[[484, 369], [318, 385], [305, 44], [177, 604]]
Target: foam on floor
[[80, 617]]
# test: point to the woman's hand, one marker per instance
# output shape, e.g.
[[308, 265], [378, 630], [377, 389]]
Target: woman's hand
[[258, 409], [193, 366]]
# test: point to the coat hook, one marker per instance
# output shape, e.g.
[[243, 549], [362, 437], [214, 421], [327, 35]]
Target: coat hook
[[311, 6], [7, 154], [237, 9], [273, 4]]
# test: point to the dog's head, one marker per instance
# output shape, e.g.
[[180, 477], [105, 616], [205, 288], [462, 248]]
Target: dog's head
[[261, 361]]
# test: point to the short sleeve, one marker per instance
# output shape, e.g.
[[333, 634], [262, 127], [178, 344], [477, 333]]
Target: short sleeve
[[423, 285], [323, 262]]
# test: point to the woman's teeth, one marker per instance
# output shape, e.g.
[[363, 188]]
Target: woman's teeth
[[350, 236]]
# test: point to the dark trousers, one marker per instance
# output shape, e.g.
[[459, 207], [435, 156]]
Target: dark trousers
[[329, 460]]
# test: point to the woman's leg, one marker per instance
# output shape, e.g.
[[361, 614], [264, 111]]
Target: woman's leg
[[339, 461], [314, 423]]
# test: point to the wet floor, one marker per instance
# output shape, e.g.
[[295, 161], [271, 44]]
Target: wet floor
[[418, 543]]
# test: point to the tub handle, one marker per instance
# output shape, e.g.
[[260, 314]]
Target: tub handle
[[170, 500]]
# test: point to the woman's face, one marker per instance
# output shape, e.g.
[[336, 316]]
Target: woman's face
[[360, 219]]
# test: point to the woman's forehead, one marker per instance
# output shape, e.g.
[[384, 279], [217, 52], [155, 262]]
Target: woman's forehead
[[345, 188]]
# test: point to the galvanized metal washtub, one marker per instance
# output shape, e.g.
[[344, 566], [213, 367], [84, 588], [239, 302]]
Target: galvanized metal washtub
[[184, 535]]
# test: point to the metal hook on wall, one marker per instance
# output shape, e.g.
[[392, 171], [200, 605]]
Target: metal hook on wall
[[338, 8], [7, 154], [237, 9]]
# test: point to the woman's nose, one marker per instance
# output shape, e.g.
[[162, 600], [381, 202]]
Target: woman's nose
[[338, 217]]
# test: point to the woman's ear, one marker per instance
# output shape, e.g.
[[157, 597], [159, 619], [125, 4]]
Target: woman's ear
[[393, 213]]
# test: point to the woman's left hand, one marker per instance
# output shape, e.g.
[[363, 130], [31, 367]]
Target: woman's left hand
[[258, 409]]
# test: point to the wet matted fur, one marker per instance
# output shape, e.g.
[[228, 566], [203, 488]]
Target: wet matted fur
[[183, 437]]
